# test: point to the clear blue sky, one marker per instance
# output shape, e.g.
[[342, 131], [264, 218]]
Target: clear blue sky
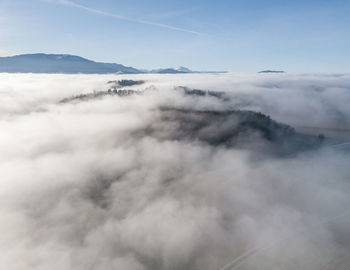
[[244, 35]]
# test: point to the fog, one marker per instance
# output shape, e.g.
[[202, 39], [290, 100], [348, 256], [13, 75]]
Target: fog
[[169, 180]]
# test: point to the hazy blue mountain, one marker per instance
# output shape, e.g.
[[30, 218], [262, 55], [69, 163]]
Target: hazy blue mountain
[[71, 64], [181, 70], [184, 69], [59, 63], [172, 70], [272, 71]]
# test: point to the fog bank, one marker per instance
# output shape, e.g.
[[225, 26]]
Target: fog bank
[[167, 180]]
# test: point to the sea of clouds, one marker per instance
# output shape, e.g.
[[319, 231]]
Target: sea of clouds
[[84, 186]]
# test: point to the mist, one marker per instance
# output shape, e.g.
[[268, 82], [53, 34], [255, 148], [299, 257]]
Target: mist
[[174, 179]]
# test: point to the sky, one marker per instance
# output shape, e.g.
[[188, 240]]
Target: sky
[[232, 35]]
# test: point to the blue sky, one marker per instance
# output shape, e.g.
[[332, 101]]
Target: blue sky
[[245, 35]]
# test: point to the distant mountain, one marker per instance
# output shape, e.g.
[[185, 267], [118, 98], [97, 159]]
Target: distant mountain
[[180, 70], [184, 69], [71, 64], [172, 70], [59, 63], [272, 71]]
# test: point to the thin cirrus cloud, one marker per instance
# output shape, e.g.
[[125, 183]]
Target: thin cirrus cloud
[[124, 18]]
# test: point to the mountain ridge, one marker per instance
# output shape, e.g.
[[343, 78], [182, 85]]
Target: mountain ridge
[[59, 63], [72, 64]]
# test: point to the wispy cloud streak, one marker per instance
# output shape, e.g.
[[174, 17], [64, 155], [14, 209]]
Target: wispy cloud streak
[[120, 17]]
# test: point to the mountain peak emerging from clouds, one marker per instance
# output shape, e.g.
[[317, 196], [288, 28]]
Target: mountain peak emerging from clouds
[[272, 71], [183, 69], [172, 70], [72, 64], [59, 63]]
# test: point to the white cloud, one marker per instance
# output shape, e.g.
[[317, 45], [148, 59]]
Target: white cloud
[[87, 185]]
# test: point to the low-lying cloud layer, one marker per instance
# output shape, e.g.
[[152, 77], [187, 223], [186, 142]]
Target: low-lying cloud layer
[[165, 180]]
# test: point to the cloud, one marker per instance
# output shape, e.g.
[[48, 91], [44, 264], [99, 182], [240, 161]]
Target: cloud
[[120, 17], [105, 183]]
